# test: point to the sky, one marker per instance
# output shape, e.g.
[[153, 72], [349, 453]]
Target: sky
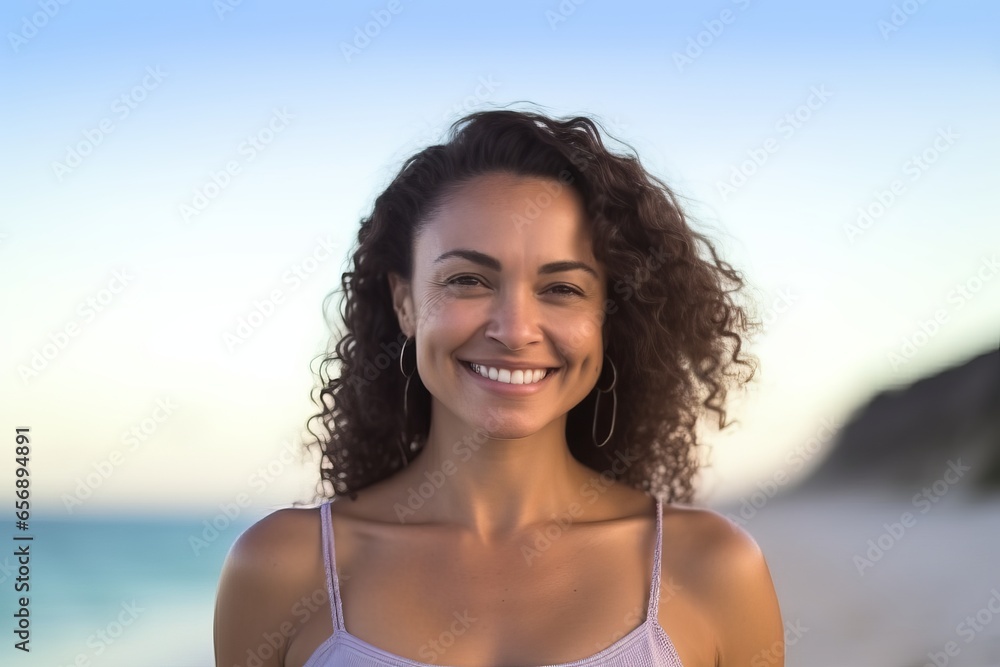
[[183, 181]]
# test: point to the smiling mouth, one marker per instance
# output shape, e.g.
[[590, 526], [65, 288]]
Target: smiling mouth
[[505, 376]]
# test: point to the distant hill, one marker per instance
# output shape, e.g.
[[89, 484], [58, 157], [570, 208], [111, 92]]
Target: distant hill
[[905, 438]]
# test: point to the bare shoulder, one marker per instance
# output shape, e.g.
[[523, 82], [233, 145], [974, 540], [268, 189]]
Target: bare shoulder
[[715, 537], [276, 550], [266, 572], [279, 534], [723, 571]]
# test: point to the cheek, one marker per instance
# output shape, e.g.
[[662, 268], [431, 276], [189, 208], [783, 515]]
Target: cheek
[[433, 306], [581, 335], [446, 318]]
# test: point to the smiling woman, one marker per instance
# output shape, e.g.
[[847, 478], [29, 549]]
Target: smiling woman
[[533, 332]]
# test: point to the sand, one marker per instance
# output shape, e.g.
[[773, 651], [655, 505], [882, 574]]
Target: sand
[[875, 580]]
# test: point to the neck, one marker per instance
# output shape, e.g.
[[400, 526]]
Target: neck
[[491, 480]]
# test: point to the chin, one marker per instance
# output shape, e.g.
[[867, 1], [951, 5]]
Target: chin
[[505, 424]]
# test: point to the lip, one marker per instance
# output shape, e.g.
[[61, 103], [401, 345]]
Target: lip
[[506, 388]]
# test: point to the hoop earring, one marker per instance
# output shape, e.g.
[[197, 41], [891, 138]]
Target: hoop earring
[[614, 404], [406, 392]]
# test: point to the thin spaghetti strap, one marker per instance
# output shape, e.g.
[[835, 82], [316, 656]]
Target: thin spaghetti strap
[[330, 563], [654, 590]]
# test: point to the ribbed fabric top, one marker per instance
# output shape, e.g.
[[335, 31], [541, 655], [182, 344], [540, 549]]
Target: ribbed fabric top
[[646, 646]]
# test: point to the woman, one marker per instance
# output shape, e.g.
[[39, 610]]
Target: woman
[[531, 335]]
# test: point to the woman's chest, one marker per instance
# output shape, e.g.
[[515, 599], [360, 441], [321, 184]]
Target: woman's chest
[[510, 604], [436, 600]]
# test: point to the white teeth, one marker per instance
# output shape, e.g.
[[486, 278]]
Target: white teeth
[[519, 376]]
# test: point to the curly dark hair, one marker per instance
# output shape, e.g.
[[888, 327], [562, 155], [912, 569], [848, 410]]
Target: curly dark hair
[[671, 323]]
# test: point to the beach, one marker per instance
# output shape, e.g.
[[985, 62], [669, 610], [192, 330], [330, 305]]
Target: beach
[[877, 580]]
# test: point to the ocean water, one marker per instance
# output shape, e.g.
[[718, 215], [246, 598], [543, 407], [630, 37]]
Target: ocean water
[[115, 593]]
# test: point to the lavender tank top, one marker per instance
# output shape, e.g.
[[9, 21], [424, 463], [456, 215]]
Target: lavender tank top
[[646, 646]]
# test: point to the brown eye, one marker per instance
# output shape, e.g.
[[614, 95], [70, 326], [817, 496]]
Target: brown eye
[[456, 279], [566, 290]]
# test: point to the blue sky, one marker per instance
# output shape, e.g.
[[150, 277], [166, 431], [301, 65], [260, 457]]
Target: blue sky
[[778, 122]]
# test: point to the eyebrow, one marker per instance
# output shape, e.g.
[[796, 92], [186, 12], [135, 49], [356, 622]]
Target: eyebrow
[[493, 263]]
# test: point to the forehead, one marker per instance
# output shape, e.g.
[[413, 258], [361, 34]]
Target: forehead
[[518, 219]]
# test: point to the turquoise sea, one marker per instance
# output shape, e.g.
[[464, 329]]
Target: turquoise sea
[[116, 592]]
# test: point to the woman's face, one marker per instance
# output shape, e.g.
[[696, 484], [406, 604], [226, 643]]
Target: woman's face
[[504, 276]]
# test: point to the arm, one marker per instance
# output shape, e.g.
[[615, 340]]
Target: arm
[[257, 592], [743, 600]]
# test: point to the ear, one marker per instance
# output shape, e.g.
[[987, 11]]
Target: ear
[[402, 303]]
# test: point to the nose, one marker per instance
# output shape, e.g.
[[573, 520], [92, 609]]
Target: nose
[[514, 320]]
